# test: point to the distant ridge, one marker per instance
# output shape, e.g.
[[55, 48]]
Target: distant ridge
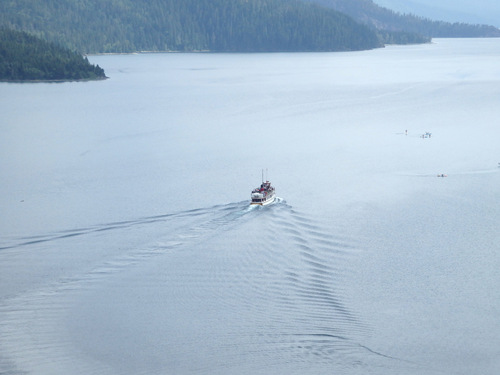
[[369, 13]]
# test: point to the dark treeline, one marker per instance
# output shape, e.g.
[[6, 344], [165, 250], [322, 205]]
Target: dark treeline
[[441, 29], [26, 57], [94, 26], [367, 12]]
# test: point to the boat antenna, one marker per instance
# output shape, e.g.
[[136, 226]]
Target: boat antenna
[[267, 177]]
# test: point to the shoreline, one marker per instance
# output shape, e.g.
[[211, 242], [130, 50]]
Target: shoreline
[[53, 80]]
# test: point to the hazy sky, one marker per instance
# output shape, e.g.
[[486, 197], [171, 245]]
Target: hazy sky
[[471, 11]]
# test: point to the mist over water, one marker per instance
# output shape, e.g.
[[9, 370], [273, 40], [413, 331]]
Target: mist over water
[[128, 246]]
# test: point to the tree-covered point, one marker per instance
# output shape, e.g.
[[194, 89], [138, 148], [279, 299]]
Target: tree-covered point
[[95, 26], [25, 57]]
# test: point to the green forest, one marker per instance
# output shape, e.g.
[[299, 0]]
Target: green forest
[[26, 57], [94, 26]]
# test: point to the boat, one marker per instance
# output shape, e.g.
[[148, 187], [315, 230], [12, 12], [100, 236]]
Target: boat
[[264, 194]]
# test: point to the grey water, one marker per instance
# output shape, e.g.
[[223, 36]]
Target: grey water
[[128, 246]]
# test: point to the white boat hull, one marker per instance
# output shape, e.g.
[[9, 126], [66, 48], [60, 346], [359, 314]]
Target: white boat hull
[[269, 200]]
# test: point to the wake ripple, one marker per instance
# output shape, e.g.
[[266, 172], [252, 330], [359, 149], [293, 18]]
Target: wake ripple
[[282, 270], [234, 210]]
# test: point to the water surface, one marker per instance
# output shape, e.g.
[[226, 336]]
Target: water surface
[[128, 247]]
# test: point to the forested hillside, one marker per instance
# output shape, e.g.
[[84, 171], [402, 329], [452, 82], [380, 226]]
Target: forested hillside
[[189, 25], [367, 12], [25, 57]]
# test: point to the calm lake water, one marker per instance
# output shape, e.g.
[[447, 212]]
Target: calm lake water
[[127, 245]]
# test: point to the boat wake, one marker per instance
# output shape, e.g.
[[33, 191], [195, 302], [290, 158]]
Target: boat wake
[[271, 280], [229, 212], [457, 173]]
